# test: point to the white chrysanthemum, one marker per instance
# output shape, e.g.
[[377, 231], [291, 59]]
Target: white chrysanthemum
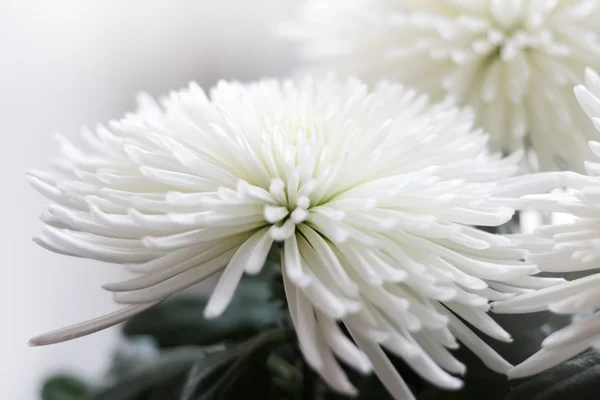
[[514, 61], [372, 194], [570, 247]]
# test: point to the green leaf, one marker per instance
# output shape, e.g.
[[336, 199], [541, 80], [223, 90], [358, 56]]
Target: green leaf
[[194, 373], [578, 379], [201, 372], [161, 372], [179, 321], [246, 376], [65, 387]]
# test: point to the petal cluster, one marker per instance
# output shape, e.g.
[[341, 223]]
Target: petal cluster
[[513, 61], [569, 247], [371, 193]]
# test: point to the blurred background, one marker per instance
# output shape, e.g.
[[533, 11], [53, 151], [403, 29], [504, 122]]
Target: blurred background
[[69, 63]]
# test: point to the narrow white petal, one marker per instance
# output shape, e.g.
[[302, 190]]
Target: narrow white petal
[[342, 346], [293, 265], [260, 252], [546, 358], [187, 260], [179, 282], [480, 320], [228, 282], [304, 321], [332, 372], [574, 333], [384, 369], [538, 301], [88, 327], [488, 355]]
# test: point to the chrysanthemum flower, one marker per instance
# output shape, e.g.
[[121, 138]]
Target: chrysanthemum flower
[[372, 194], [569, 247], [513, 61]]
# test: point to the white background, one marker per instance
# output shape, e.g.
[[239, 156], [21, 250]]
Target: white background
[[64, 64]]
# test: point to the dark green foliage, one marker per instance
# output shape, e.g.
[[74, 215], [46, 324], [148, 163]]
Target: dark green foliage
[[63, 387], [194, 373], [178, 321], [245, 375], [577, 379], [165, 370]]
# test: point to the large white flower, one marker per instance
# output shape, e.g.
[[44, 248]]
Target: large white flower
[[513, 61], [371, 192], [570, 247]]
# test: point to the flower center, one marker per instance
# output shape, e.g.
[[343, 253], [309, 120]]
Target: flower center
[[291, 208]]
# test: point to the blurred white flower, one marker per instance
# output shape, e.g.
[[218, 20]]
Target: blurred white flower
[[569, 247], [371, 193], [513, 61]]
